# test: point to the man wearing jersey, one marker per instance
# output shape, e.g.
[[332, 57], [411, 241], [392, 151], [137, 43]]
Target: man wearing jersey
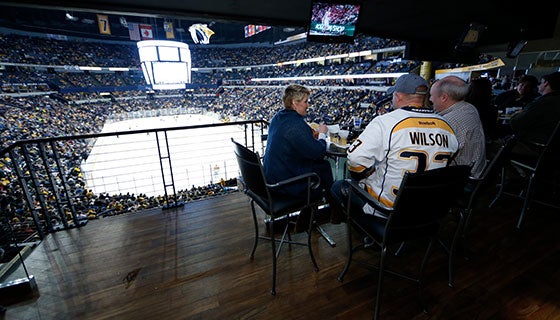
[[411, 138]]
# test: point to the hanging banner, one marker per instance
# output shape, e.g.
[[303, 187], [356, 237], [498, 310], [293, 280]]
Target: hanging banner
[[168, 27], [134, 31], [485, 66], [103, 23], [146, 32], [251, 29]]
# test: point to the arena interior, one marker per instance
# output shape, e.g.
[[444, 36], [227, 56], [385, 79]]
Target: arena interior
[[65, 85]]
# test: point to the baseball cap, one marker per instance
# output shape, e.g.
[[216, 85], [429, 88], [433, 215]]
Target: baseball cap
[[410, 83]]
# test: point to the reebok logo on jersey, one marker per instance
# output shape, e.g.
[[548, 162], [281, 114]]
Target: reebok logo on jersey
[[427, 123], [423, 139]]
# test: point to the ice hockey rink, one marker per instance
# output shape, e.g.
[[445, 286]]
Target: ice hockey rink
[[131, 163]]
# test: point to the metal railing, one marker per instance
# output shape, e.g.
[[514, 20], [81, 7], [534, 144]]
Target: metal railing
[[61, 182]]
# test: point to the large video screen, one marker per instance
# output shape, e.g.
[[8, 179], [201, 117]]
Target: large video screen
[[333, 21]]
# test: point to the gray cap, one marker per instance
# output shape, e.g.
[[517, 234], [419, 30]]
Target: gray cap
[[410, 83]]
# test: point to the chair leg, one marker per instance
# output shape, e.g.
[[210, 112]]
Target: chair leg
[[273, 247], [526, 202], [421, 277], [458, 232], [309, 232], [276, 250], [349, 241], [401, 249], [256, 223], [468, 219], [501, 188], [285, 234], [272, 243], [380, 282]]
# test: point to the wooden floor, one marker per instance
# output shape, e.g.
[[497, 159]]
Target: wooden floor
[[193, 263]]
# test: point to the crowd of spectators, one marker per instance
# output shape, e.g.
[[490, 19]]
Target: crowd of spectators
[[44, 51], [47, 52], [37, 80]]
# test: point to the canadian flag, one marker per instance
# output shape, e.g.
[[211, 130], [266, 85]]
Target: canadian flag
[[146, 32]]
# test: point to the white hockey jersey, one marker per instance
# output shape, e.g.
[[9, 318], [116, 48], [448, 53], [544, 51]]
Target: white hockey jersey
[[406, 139]]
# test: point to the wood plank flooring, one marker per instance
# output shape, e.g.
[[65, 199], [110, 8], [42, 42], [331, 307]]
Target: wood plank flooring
[[193, 263]]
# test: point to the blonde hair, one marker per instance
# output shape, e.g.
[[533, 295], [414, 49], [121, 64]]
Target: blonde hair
[[294, 92]]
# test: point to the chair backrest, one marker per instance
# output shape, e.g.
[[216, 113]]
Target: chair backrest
[[489, 175], [493, 166], [251, 169], [550, 151], [425, 197]]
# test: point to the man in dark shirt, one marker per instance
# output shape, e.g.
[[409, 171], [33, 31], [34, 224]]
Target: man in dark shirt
[[524, 93], [536, 122]]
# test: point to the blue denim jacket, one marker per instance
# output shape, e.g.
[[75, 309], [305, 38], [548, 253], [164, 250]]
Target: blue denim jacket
[[291, 150]]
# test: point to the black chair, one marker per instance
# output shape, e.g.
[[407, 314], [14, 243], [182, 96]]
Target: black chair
[[423, 199], [472, 195], [539, 171], [277, 207]]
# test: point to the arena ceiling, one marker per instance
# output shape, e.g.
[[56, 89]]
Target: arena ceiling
[[433, 28]]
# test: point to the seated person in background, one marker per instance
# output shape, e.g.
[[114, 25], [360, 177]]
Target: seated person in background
[[292, 149], [536, 122], [410, 138], [447, 96], [525, 92]]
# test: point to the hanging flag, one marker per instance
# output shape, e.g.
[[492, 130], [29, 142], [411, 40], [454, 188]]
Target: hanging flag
[[133, 31], [251, 29], [146, 32], [168, 27], [103, 22]]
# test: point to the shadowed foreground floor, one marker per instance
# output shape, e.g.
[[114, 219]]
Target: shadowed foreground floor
[[193, 263]]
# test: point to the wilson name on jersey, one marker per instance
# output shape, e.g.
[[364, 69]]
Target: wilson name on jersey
[[405, 140]]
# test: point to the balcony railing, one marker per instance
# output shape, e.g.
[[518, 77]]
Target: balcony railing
[[61, 182]]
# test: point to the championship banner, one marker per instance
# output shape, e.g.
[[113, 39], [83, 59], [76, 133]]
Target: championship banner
[[146, 32], [479, 67], [168, 27], [103, 23]]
